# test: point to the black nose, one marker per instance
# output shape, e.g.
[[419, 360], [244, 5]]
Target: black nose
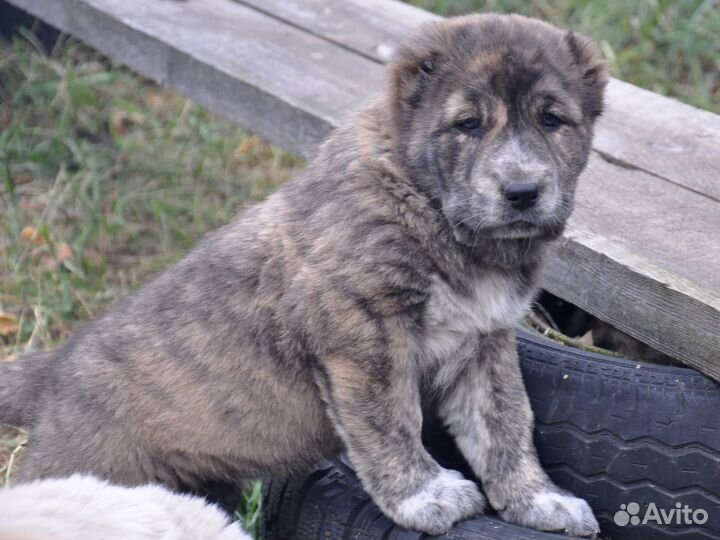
[[522, 195]]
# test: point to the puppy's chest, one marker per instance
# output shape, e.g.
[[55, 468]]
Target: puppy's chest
[[455, 320]]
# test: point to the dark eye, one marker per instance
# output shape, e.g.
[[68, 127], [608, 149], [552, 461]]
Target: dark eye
[[469, 125], [549, 120]]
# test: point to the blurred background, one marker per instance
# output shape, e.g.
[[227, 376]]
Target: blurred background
[[670, 47]]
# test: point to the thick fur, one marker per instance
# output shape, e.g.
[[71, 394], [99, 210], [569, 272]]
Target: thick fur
[[390, 272], [85, 508]]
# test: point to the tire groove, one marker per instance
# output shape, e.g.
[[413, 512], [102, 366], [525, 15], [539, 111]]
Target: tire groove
[[636, 442]]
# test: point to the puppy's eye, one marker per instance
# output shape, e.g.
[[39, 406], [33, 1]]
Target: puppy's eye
[[469, 125], [549, 120], [427, 66]]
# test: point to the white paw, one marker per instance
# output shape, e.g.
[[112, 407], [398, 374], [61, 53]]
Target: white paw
[[554, 511], [444, 500]]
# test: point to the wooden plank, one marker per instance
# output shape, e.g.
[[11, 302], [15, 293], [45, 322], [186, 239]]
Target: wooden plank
[[663, 136], [640, 129], [273, 79], [619, 263], [293, 87], [678, 230], [639, 298], [369, 27]]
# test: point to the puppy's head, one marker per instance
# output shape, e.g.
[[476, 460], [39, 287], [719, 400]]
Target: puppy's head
[[493, 115]]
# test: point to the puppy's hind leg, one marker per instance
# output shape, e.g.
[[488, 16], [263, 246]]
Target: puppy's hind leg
[[488, 412]]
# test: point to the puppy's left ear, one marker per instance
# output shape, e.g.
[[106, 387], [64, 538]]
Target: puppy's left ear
[[593, 72], [414, 66]]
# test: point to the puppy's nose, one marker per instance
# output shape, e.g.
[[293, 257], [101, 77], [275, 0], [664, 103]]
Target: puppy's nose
[[522, 195]]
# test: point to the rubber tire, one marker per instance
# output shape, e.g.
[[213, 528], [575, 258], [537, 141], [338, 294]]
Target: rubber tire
[[609, 430]]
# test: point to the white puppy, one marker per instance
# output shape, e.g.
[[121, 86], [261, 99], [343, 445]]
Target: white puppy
[[85, 508]]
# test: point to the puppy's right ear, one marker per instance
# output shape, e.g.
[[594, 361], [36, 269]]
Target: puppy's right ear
[[413, 66], [593, 70]]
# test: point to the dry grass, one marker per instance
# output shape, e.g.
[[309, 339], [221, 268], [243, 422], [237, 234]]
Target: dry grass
[[12, 441]]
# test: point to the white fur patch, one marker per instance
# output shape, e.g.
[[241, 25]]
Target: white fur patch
[[454, 320], [548, 501], [85, 508], [442, 501], [416, 504]]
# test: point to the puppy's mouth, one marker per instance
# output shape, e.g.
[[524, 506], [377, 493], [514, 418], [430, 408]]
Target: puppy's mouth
[[514, 230]]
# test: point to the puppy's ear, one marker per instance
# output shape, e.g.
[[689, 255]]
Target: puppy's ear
[[410, 75], [593, 72], [414, 66]]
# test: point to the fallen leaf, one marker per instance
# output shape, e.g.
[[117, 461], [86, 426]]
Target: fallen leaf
[[123, 121], [8, 324], [252, 145], [64, 252], [30, 234], [160, 101]]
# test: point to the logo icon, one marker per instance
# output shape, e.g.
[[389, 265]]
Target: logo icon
[[629, 514]]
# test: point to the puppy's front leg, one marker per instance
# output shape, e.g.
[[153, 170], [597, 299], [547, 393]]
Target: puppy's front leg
[[488, 412], [375, 407]]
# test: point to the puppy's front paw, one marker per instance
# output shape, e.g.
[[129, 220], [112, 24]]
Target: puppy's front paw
[[441, 502], [554, 511]]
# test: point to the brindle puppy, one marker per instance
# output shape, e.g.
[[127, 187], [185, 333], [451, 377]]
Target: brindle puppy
[[396, 265]]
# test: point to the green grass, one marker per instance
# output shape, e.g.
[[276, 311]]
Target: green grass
[[250, 509], [668, 46], [115, 177]]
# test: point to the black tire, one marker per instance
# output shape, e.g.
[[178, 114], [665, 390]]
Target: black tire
[[609, 430]]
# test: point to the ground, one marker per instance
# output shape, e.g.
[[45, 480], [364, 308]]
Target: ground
[[106, 178]]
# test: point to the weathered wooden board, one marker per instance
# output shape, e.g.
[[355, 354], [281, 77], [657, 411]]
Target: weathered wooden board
[[638, 297], [669, 139], [650, 269], [677, 229], [271, 78], [640, 129], [642, 252]]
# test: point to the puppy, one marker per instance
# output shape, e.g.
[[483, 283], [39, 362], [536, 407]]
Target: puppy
[[85, 508], [391, 272]]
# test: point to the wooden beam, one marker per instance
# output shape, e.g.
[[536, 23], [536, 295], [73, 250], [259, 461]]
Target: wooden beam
[[273, 79], [642, 252], [649, 268], [638, 297]]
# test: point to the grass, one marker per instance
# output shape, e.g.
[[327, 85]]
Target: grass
[[669, 47], [106, 178], [250, 509]]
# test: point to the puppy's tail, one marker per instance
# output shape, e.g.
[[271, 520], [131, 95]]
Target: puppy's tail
[[20, 388]]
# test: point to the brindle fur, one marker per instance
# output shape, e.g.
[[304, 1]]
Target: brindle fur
[[313, 321]]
